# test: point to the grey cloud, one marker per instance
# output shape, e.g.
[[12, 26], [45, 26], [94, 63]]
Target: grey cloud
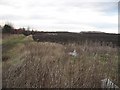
[[108, 7], [105, 7], [105, 25], [11, 17], [36, 10], [4, 2], [40, 17], [97, 24], [7, 3]]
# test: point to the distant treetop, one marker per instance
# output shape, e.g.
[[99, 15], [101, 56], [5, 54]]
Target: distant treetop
[[7, 28]]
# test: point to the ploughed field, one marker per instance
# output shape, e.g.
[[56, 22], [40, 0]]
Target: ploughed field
[[47, 64], [79, 38]]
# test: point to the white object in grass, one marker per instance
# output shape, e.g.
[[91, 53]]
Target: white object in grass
[[106, 83], [74, 53]]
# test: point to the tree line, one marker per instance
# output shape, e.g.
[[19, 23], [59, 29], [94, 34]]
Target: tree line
[[9, 29], [65, 37]]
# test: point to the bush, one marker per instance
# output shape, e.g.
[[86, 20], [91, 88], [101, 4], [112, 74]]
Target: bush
[[7, 29], [26, 33]]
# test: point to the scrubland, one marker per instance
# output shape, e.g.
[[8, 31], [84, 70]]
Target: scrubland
[[30, 64]]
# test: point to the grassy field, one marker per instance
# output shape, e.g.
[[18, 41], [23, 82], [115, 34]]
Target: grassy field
[[30, 64]]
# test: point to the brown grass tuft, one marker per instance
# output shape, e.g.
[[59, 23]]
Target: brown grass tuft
[[48, 65]]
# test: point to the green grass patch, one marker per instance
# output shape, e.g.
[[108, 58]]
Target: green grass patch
[[9, 44], [11, 48], [104, 58]]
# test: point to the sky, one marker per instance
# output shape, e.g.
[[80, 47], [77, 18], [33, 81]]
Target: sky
[[61, 15]]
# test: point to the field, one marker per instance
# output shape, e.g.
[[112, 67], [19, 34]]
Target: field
[[30, 64]]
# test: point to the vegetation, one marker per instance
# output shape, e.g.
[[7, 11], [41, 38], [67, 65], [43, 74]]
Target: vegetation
[[11, 41], [7, 28], [33, 64], [47, 63]]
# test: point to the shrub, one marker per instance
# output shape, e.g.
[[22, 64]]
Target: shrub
[[7, 28]]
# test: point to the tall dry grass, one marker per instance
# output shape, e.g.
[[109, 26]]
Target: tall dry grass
[[48, 65]]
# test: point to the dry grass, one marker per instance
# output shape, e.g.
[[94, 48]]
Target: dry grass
[[48, 65]]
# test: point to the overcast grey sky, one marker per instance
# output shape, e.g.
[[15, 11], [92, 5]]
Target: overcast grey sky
[[61, 15]]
